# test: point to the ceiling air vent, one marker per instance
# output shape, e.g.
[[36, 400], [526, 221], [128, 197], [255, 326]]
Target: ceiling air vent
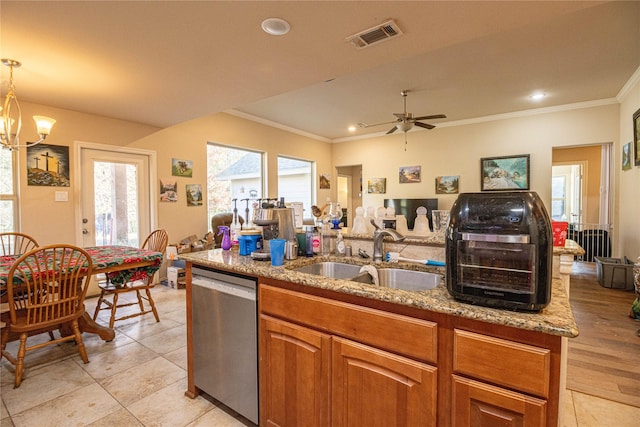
[[377, 34]]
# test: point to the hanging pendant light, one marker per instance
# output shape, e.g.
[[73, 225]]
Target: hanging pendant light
[[12, 116]]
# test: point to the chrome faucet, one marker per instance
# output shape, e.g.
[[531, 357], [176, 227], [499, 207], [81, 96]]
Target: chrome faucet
[[378, 238]]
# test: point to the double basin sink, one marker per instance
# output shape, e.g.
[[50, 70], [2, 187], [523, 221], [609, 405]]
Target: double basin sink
[[396, 278]]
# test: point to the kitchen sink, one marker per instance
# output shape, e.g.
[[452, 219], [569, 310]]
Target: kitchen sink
[[395, 278], [408, 280], [336, 270]]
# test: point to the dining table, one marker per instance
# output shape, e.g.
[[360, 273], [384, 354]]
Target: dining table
[[120, 264]]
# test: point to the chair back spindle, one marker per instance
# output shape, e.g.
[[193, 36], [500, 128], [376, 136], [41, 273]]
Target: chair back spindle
[[16, 243]]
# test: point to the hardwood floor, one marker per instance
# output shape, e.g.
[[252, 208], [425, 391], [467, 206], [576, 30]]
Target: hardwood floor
[[604, 360]]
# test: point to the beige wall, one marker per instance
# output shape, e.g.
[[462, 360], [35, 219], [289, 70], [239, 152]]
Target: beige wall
[[188, 141], [457, 150], [454, 150], [627, 183], [592, 156], [47, 220]]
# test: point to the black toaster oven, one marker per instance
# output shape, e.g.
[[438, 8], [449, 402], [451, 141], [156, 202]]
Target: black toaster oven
[[499, 250]]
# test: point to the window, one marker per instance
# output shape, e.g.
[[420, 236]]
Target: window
[[233, 173], [8, 192], [295, 182]]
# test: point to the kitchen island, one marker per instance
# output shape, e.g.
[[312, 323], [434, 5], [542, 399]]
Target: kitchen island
[[329, 346]]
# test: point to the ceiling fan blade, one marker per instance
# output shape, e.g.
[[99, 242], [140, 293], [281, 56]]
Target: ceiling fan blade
[[364, 125], [392, 130], [424, 125], [435, 116]]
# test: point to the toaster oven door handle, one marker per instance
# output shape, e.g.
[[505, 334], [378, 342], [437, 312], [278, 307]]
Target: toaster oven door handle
[[499, 238]]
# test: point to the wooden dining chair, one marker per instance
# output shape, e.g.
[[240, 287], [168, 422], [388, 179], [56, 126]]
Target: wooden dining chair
[[16, 243], [156, 241], [46, 288]]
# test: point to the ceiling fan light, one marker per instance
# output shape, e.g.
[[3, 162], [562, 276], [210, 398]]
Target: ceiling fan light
[[44, 125], [404, 126]]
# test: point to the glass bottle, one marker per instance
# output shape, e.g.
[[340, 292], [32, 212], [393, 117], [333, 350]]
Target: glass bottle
[[308, 238]]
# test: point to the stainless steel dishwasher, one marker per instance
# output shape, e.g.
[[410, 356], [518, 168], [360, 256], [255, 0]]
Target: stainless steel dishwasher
[[225, 344]]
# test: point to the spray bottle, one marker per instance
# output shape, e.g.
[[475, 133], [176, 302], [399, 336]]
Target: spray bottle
[[226, 240]]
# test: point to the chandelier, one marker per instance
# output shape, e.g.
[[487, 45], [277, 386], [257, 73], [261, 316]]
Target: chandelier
[[12, 116]]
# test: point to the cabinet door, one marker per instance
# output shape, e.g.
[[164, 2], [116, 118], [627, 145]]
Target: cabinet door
[[478, 404], [371, 387], [294, 375]]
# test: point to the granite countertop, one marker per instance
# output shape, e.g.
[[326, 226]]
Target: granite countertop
[[556, 319], [570, 248]]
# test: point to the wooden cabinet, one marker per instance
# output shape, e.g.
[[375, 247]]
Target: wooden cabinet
[[476, 404], [501, 382], [371, 387], [294, 375], [309, 376], [325, 362]]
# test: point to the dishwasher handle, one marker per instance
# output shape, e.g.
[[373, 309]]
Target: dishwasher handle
[[225, 287]]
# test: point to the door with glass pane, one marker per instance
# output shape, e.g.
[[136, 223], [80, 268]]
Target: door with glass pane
[[115, 198]]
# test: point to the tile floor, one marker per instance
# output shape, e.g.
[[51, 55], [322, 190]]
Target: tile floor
[[139, 379]]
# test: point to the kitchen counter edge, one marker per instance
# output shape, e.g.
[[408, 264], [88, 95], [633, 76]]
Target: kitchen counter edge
[[556, 319]]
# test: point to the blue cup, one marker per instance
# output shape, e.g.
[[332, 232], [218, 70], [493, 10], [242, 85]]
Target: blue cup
[[276, 248]]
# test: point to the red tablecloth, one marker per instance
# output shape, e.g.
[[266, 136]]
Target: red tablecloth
[[113, 258]]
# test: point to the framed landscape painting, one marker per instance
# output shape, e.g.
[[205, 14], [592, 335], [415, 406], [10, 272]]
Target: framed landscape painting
[[504, 173], [181, 167], [447, 184], [407, 174], [377, 186]]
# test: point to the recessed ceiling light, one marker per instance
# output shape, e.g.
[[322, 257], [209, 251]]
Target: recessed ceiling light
[[537, 96], [275, 26], [352, 128]]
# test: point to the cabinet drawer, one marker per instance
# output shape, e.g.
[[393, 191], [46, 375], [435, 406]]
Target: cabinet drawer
[[515, 365], [392, 332], [478, 404]]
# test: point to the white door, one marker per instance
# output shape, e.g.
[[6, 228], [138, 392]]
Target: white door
[[116, 200]]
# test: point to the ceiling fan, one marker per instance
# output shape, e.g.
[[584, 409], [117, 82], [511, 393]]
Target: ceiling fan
[[405, 121]]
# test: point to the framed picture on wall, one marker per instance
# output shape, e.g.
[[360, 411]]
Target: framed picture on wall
[[377, 186], [194, 195], [48, 165], [504, 173], [636, 137], [181, 167], [408, 174], [325, 181], [447, 184]]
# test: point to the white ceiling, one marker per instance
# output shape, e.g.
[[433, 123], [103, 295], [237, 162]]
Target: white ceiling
[[162, 63]]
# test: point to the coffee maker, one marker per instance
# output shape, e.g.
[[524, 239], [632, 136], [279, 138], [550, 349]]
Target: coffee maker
[[276, 223]]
